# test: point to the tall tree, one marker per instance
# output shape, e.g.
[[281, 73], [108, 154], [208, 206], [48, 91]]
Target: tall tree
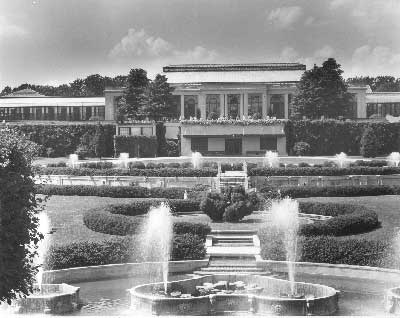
[[78, 87], [136, 92], [99, 142], [94, 85], [322, 92], [160, 99], [6, 90]]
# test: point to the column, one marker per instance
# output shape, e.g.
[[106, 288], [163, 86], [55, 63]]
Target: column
[[241, 103], [202, 105], [246, 105], [286, 103], [222, 104], [265, 104], [182, 106]]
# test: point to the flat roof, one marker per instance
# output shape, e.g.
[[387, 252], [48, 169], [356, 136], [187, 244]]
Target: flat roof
[[234, 67], [51, 101], [383, 97]]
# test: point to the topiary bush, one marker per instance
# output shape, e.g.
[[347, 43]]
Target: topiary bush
[[301, 148], [188, 246], [136, 165], [369, 143], [199, 229], [213, 205]]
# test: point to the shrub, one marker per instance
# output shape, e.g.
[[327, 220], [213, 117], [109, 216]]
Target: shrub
[[57, 164], [136, 146], [301, 148], [303, 165], [199, 229], [187, 165], [212, 116], [136, 165], [172, 148], [188, 246], [142, 207], [237, 211], [160, 165], [372, 163], [369, 143], [173, 165], [151, 165], [111, 191], [213, 205], [96, 165]]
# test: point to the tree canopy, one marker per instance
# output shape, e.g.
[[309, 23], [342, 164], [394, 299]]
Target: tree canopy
[[378, 83], [322, 92]]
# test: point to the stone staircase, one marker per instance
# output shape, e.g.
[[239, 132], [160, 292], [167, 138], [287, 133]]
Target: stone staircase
[[233, 251], [233, 179]]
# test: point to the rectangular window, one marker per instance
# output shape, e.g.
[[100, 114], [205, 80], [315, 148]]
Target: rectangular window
[[268, 143], [124, 131], [255, 106], [233, 106], [199, 144], [277, 109]]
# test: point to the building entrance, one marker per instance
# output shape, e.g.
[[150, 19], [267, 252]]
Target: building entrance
[[233, 146]]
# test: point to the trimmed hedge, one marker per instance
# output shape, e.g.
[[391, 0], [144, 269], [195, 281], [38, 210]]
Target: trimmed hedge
[[64, 139], [332, 250], [117, 251], [329, 137], [142, 207], [324, 171], [111, 191], [332, 191], [199, 229], [136, 146], [160, 172]]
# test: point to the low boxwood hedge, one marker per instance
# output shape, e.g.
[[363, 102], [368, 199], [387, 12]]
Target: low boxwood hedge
[[116, 251], [142, 207], [111, 191], [160, 172], [324, 171], [332, 191], [199, 229]]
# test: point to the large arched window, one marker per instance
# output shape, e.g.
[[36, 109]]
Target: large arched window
[[233, 106], [212, 106]]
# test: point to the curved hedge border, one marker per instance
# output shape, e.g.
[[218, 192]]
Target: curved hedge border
[[111, 191], [118, 250], [347, 219], [332, 191], [120, 220]]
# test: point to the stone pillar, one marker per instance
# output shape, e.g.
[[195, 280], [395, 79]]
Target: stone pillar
[[286, 99], [222, 104], [246, 104], [265, 105], [202, 105], [361, 105], [241, 111], [182, 106]]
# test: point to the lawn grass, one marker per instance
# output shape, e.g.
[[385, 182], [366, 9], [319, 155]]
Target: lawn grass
[[65, 214]]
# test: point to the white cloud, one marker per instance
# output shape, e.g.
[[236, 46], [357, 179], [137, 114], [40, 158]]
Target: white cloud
[[8, 29], [137, 43], [288, 54], [309, 21], [320, 55], [378, 60], [285, 17]]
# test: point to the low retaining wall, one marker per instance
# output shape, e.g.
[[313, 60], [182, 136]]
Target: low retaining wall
[[255, 181], [102, 272], [337, 275], [148, 182]]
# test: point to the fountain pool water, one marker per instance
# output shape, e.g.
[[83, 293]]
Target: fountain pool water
[[285, 217], [394, 158], [197, 160], [271, 159], [157, 237], [341, 159]]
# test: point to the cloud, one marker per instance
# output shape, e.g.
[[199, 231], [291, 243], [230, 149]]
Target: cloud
[[137, 43], [8, 29], [285, 17], [379, 60]]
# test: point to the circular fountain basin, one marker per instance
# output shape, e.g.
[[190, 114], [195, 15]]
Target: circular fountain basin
[[265, 295], [50, 299]]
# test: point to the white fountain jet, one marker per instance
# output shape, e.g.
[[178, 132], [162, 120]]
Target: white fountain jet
[[43, 228], [197, 160], [271, 159], [73, 160], [341, 160], [157, 238], [394, 159], [124, 158], [285, 217]]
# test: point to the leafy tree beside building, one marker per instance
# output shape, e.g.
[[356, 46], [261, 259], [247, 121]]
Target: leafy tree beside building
[[322, 92], [136, 93]]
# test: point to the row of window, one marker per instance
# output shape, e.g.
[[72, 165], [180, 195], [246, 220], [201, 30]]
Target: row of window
[[213, 105], [65, 113], [232, 146], [383, 109]]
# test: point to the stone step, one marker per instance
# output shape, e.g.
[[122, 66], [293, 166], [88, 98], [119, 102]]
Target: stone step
[[265, 273], [231, 269], [234, 232], [230, 244]]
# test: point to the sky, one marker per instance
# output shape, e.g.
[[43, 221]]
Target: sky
[[56, 41]]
